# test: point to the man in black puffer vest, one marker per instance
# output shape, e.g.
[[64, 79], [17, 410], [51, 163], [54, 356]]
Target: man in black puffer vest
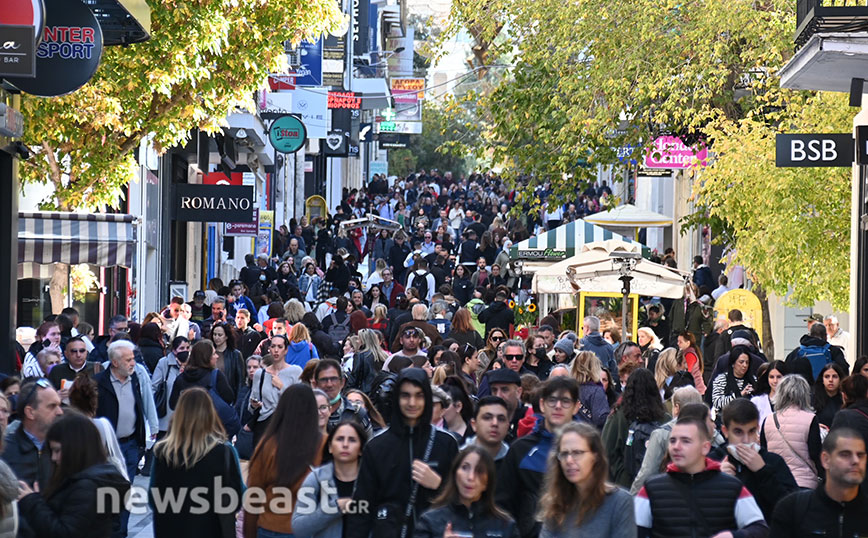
[[393, 463], [693, 498]]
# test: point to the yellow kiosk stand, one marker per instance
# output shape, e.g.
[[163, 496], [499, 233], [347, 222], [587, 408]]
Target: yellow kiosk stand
[[315, 206], [744, 301], [606, 305]]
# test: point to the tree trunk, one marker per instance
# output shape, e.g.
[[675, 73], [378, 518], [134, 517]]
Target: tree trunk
[[768, 340], [59, 281]]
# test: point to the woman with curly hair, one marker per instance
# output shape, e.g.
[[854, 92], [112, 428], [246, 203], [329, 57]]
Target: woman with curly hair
[[640, 406], [578, 500]]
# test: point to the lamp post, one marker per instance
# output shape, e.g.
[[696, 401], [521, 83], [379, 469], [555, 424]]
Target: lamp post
[[624, 263]]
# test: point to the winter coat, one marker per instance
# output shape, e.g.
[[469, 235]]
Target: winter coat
[[166, 372], [220, 462], [299, 353], [854, 416], [200, 377], [615, 440], [72, 510], [108, 406], [594, 342], [770, 484], [802, 366], [593, 398], [808, 513], [462, 290], [235, 370], [520, 478], [802, 433], [498, 315], [468, 337], [363, 372], [668, 503], [475, 521], [310, 517], [27, 462], [384, 480], [152, 352]]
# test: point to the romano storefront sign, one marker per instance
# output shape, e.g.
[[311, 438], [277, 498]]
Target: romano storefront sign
[[213, 203]]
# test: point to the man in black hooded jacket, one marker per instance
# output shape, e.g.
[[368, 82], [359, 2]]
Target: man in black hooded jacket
[[394, 462]]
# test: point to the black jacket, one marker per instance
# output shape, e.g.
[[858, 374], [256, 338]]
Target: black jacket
[[28, 463], [384, 479], [770, 484], [475, 521], [851, 417], [234, 369], [152, 352], [249, 341], [802, 366], [520, 478], [73, 511], [107, 403], [363, 373], [339, 276], [64, 371], [498, 315], [812, 513], [200, 377]]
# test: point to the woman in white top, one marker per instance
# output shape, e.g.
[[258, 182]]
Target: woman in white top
[[768, 377], [270, 382], [83, 397]]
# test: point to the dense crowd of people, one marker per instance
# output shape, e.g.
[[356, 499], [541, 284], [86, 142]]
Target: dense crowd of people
[[399, 399]]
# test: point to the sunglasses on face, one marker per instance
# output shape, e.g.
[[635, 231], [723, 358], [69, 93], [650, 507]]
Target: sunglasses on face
[[514, 357]]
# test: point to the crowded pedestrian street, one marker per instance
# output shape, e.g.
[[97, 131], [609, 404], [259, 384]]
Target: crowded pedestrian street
[[403, 269]]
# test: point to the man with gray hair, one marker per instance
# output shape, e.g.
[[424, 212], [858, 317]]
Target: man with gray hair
[[836, 335], [593, 341], [419, 321], [120, 401]]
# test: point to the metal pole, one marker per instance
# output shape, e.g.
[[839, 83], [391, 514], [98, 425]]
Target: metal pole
[[625, 291]]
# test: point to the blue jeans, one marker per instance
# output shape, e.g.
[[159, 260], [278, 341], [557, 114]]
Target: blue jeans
[[265, 533]]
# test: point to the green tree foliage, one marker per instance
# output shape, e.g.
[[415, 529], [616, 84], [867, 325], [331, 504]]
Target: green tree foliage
[[591, 76], [204, 58]]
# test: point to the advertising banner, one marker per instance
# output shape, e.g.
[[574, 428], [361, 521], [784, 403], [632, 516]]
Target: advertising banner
[[250, 229], [407, 90], [17, 51], [266, 232], [309, 70], [671, 152]]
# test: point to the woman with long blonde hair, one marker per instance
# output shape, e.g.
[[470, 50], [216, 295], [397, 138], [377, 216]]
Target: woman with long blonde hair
[[670, 373], [587, 370], [194, 454], [366, 362], [577, 499]]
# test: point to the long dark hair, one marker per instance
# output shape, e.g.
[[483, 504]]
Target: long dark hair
[[200, 355], [294, 427], [486, 467], [152, 331], [762, 380], [229, 331], [561, 497], [688, 336], [641, 399], [360, 431], [821, 398], [81, 447]]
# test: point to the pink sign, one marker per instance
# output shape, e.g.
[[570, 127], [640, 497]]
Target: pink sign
[[244, 228], [670, 152]]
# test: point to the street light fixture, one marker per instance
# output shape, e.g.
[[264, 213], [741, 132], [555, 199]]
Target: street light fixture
[[624, 263]]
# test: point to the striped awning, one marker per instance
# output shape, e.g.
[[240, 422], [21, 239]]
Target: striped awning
[[103, 239], [564, 241]]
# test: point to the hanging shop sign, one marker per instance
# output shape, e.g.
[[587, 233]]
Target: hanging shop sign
[[17, 51], [671, 152], [308, 70], [287, 134], [344, 100], [244, 228], [265, 235], [813, 150], [213, 203], [24, 13], [69, 53], [361, 27], [407, 90]]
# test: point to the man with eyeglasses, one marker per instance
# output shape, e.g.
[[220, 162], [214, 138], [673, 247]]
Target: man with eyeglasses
[[490, 423], [62, 375], [521, 474], [117, 324], [24, 448], [329, 378]]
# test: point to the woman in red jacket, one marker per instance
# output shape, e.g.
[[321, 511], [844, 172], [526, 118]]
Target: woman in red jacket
[[692, 357]]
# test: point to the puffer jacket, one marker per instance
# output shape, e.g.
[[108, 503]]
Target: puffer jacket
[[73, 511], [384, 479], [474, 521], [497, 315], [593, 398]]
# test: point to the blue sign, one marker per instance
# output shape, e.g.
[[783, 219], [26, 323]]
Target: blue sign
[[309, 71]]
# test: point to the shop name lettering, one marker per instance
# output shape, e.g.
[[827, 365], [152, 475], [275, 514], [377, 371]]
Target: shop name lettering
[[67, 42], [341, 100], [287, 133], [547, 253], [356, 17], [210, 202]]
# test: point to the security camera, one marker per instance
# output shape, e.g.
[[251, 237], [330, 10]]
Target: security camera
[[22, 150]]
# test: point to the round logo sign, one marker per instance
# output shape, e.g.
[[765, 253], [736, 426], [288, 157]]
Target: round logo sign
[[69, 53], [287, 134]]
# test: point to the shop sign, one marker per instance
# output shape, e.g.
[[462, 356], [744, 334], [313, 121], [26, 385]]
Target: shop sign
[[671, 152], [213, 203], [361, 27], [309, 70], [287, 134], [17, 51], [813, 150], [407, 90], [69, 53], [546, 254], [344, 100], [24, 13], [244, 228]]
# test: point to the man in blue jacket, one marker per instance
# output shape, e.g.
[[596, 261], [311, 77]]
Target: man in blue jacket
[[593, 341]]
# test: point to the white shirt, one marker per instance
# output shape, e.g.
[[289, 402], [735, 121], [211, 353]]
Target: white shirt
[[720, 290]]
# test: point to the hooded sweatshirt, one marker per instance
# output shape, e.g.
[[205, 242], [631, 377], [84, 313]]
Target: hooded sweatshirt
[[299, 353], [384, 480]]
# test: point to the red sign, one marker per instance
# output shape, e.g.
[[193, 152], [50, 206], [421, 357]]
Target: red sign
[[24, 13], [219, 178], [281, 82], [344, 100]]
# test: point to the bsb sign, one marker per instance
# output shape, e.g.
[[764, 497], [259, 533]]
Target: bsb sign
[[213, 203], [813, 150]]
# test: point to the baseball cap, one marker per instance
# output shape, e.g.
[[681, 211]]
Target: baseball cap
[[199, 294], [504, 375], [815, 317]]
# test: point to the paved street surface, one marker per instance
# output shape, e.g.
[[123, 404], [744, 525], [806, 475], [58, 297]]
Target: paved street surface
[[141, 525]]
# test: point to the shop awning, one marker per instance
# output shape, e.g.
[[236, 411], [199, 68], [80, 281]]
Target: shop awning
[[629, 216], [563, 242], [103, 239]]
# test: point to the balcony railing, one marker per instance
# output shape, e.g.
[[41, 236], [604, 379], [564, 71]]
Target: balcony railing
[[816, 16]]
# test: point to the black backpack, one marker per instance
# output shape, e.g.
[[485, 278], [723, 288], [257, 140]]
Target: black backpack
[[339, 331], [420, 282], [638, 435]]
